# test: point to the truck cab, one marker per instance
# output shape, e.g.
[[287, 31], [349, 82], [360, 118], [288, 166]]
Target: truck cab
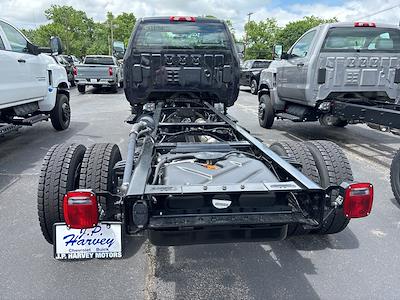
[[352, 62], [181, 57], [33, 86]]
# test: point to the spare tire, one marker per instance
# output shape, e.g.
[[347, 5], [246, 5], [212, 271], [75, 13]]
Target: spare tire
[[301, 154], [59, 174], [333, 168], [97, 172]]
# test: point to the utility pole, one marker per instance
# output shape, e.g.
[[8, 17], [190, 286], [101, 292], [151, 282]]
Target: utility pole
[[246, 37], [112, 37]]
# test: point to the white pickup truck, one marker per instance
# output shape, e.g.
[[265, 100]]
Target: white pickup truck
[[33, 86]]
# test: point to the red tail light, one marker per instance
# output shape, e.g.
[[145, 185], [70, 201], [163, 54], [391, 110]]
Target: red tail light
[[364, 24], [182, 19], [110, 71], [80, 209], [358, 200], [75, 71]]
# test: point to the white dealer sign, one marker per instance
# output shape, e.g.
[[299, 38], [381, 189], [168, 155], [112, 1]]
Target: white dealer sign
[[102, 241]]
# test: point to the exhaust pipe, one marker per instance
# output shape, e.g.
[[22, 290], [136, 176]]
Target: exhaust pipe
[[145, 125]]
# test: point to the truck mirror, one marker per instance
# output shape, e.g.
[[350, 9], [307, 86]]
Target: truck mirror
[[285, 55], [32, 49], [56, 45], [278, 50]]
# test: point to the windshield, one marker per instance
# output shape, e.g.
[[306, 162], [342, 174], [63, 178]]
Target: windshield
[[180, 35], [365, 39], [261, 64], [99, 61]]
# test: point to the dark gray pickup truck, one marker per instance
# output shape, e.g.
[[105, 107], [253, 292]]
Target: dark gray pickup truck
[[335, 73]]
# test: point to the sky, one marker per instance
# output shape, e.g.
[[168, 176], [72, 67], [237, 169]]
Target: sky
[[29, 13]]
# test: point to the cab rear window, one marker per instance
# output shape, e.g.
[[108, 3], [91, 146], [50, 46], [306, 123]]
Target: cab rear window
[[99, 61], [362, 39], [261, 64], [182, 35]]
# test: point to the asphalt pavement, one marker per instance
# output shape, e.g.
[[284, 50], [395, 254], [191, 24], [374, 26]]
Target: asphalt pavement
[[362, 262]]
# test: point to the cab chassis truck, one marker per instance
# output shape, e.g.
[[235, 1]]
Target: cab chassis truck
[[192, 174], [339, 74]]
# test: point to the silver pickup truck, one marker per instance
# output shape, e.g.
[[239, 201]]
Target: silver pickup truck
[[335, 73], [99, 70]]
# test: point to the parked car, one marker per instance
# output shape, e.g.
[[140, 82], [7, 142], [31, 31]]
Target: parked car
[[99, 70], [335, 73], [69, 68], [71, 59], [33, 87], [250, 73]]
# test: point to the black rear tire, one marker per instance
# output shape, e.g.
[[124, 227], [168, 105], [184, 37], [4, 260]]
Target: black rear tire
[[395, 176], [266, 113], [81, 88], [333, 168], [121, 84], [59, 174], [60, 115], [253, 87], [328, 120], [114, 87], [97, 172], [301, 154]]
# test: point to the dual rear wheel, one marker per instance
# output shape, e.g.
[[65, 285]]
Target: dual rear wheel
[[326, 164], [69, 167]]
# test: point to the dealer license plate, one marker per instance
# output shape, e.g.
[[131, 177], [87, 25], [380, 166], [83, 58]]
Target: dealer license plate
[[93, 80], [102, 241]]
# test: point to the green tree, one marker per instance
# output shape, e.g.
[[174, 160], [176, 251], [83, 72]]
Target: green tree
[[99, 42], [124, 24], [294, 30], [79, 33], [73, 27], [260, 38]]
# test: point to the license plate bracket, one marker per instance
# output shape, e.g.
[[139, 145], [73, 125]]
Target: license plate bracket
[[101, 241]]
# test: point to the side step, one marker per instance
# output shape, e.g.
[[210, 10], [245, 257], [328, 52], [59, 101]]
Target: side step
[[286, 116], [31, 120], [8, 128]]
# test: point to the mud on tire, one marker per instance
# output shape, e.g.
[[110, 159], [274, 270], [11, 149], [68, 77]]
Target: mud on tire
[[333, 168], [97, 171], [59, 174]]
